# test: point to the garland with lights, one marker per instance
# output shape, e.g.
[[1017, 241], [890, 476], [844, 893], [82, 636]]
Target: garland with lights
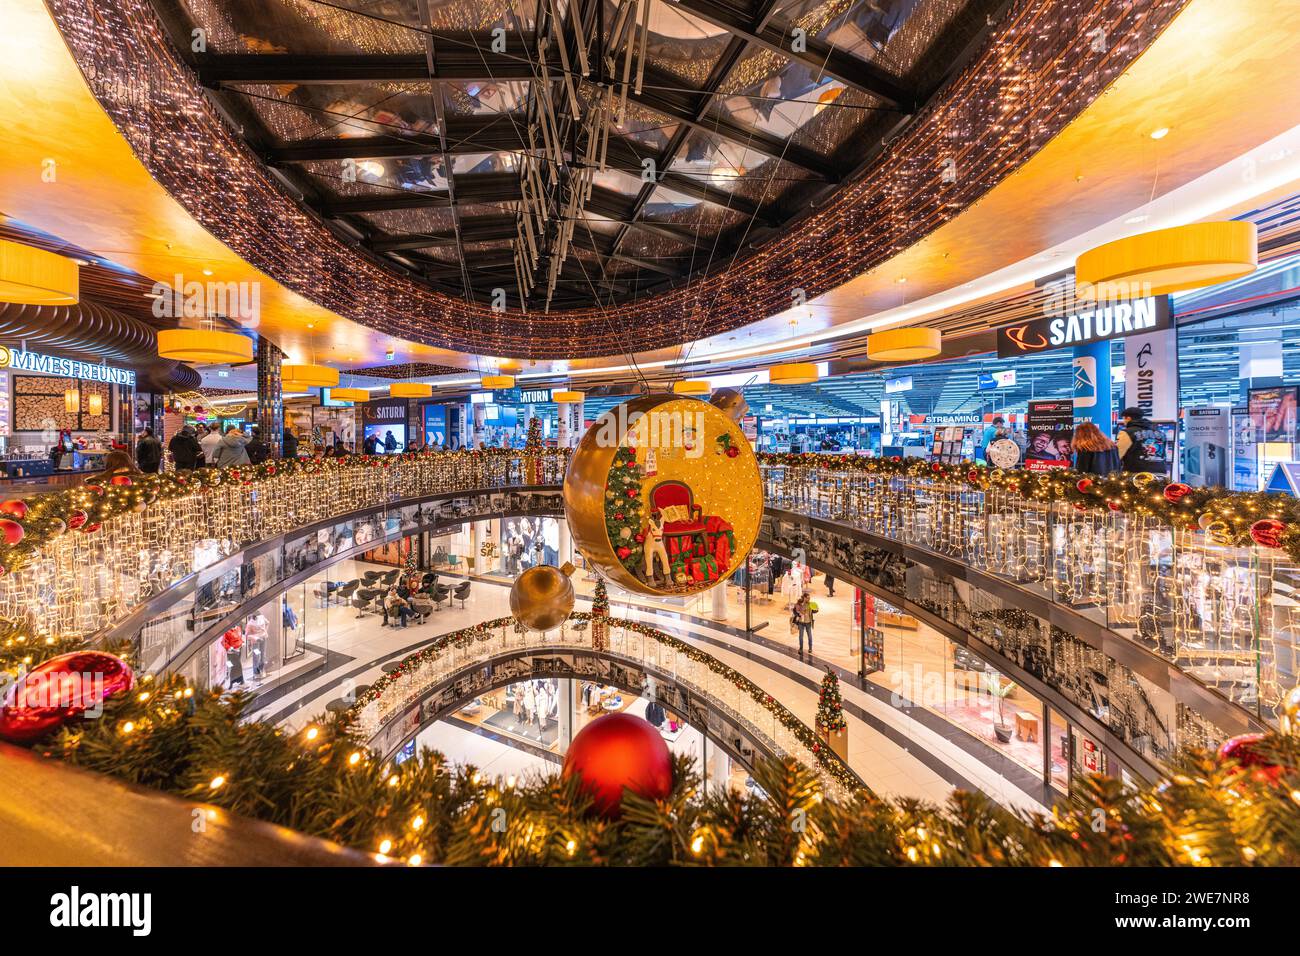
[[28, 524], [1239, 809], [1228, 518]]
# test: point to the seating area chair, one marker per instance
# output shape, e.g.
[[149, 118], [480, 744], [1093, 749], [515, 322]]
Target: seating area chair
[[344, 594], [461, 593], [440, 593], [391, 577], [365, 601], [370, 577], [421, 607], [679, 535]]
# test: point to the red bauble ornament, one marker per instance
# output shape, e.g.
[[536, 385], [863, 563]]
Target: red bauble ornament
[[14, 507], [624, 552], [1268, 532], [973, 477], [76, 520], [732, 451], [1244, 750], [620, 751], [11, 531], [618, 516], [1113, 505], [91, 528], [95, 489], [631, 492], [640, 538], [119, 480], [1176, 491], [936, 468], [63, 687], [1083, 485]]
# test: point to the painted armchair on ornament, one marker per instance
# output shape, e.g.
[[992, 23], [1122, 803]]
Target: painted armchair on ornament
[[699, 546]]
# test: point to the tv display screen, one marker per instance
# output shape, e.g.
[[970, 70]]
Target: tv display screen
[[1273, 412]]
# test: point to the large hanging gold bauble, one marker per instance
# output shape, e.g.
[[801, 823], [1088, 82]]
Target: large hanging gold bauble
[[542, 597], [690, 457], [730, 402]]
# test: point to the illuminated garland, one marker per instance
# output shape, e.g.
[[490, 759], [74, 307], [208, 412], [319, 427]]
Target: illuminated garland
[[1227, 518], [827, 760], [1241, 809], [28, 524]]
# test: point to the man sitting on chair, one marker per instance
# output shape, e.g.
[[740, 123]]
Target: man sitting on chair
[[654, 548]]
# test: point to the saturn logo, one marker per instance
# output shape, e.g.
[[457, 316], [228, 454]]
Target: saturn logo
[[1021, 337], [5, 357]]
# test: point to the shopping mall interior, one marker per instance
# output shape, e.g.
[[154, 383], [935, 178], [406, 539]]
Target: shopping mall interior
[[785, 433]]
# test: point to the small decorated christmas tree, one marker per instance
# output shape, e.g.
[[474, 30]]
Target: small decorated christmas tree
[[533, 452], [830, 709], [599, 615], [623, 511], [411, 570]]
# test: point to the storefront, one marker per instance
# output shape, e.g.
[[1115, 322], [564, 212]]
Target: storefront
[[60, 415]]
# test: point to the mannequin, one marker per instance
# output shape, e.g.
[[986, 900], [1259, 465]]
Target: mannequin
[[654, 547], [233, 642], [255, 629]]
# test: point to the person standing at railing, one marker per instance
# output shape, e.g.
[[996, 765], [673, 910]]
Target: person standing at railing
[[1140, 445], [1094, 453]]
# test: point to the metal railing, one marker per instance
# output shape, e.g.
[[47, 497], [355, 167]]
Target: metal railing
[[1227, 616], [84, 583], [770, 723]]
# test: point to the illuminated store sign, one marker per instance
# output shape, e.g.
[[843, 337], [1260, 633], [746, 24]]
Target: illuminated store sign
[[998, 379], [20, 360], [1112, 321], [903, 384]]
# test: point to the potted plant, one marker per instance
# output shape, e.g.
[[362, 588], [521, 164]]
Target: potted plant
[[999, 691]]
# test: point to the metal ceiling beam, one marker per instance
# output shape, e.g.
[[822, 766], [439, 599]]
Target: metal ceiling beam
[[817, 54], [474, 229], [220, 70], [470, 188]]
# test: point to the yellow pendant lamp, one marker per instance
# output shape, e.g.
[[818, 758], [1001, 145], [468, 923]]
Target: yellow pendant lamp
[[96, 404], [410, 390], [793, 373], [71, 401], [497, 381], [568, 398], [308, 376], [31, 276], [904, 345], [692, 386], [350, 394], [1169, 260], [204, 346]]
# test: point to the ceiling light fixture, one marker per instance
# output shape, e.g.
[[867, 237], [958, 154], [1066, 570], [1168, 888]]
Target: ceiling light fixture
[[31, 276], [410, 390], [692, 386], [497, 381], [309, 376], [204, 346], [1160, 133], [793, 373], [904, 345], [1170, 260]]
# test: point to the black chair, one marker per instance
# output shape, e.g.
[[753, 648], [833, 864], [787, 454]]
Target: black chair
[[428, 578], [391, 577], [344, 594], [364, 600], [461, 593], [440, 593], [370, 577]]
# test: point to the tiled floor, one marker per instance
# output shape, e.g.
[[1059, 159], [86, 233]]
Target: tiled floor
[[896, 757]]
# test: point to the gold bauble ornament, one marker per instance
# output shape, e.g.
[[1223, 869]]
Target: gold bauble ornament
[[674, 460], [542, 597], [730, 402]]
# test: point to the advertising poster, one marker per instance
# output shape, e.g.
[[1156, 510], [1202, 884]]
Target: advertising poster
[[1245, 456], [1151, 374], [1273, 410], [1206, 457], [1051, 429]]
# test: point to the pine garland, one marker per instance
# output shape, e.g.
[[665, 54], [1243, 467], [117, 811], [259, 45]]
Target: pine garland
[[322, 781], [1228, 518]]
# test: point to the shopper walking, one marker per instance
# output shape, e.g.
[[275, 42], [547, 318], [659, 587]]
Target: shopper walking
[[830, 585], [1094, 453], [990, 435], [1141, 445], [148, 453], [185, 449], [231, 449], [802, 619], [290, 446]]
